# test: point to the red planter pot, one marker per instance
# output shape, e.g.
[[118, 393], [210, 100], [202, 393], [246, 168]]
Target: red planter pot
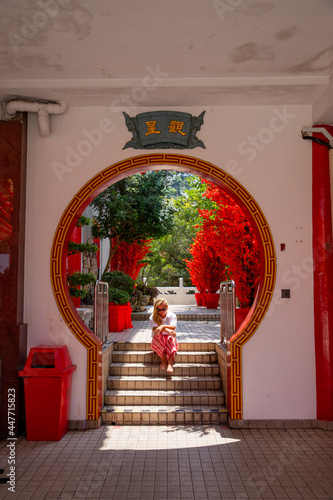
[[119, 317], [200, 298], [212, 300], [76, 302], [240, 316]]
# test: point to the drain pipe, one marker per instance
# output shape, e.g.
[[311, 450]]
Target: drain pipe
[[317, 130], [43, 109]]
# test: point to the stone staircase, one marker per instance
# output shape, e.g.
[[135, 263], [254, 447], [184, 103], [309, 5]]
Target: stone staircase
[[139, 393]]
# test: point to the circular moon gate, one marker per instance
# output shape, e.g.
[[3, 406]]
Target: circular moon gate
[[67, 223]]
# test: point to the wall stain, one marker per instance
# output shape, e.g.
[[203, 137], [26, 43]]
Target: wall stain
[[37, 61], [286, 34], [322, 61], [76, 21], [21, 33], [252, 52], [105, 73]]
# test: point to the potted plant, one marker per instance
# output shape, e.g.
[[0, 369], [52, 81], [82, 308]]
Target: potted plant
[[119, 310], [120, 281], [206, 270], [231, 235], [118, 297], [121, 287], [200, 296]]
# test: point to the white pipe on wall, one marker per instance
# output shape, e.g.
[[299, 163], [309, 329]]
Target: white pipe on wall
[[43, 109], [318, 130]]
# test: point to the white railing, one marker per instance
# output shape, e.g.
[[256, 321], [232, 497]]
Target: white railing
[[178, 295]]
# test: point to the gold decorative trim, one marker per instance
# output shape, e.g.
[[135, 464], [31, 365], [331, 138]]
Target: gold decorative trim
[[88, 339]]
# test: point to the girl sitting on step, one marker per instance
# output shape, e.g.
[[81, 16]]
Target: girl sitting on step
[[164, 341]]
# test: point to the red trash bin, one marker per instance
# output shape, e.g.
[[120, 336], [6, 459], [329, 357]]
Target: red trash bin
[[47, 388]]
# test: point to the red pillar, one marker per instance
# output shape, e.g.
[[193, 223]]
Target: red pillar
[[74, 261], [323, 278], [13, 330]]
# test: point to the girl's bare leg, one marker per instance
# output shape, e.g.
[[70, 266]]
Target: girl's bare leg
[[163, 362], [170, 365]]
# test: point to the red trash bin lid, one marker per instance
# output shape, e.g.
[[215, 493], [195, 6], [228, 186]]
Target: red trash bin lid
[[48, 361]]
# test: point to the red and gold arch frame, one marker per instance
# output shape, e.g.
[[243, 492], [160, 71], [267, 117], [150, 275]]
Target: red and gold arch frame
[[67, 223]]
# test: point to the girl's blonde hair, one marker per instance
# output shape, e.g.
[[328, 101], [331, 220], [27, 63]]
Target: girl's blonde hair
[[156, 317]]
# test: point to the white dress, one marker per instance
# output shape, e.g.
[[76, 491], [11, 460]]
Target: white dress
[[169, 320]]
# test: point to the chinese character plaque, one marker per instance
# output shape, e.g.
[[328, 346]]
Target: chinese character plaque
[[164, 130]]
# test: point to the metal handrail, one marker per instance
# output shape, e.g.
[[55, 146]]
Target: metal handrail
[[227, 309], [101, 310]]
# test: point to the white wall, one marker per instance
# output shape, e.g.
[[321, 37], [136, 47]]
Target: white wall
[[263, 149], [322, 108]]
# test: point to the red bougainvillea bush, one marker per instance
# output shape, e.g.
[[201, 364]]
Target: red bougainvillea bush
[[206, 267], [225, 247], [128, 256]]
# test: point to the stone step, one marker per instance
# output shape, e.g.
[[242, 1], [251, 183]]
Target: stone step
[[164, 415], [163, 398], [140, 393], [182, 346], [153, 369], [185, 316], [150, 357], [175, 383]]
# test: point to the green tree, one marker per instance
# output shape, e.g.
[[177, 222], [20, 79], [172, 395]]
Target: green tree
[[179, 183], [166, 261], [133, 209]]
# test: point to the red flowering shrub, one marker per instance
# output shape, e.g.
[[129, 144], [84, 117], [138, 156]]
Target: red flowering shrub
[[128, 256], [206, 267], [229, 239]]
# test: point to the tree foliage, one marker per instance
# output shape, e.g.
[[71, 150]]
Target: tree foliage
[[120, 281], [74, 248], [133, 209], [77, 279], [166, 261]]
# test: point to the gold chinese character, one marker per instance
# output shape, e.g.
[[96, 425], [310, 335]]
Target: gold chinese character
[[151, 128], [176, 127]]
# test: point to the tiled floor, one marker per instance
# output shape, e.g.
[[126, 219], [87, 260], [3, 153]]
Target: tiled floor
[[187, 331], [203, 329], [160, 462], [181, 462]]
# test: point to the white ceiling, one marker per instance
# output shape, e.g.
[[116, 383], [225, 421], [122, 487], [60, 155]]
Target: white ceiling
[[205, 52]]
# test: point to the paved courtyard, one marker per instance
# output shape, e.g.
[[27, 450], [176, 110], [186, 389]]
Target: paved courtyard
[[195, 324], [173, 462], [160, 462]]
